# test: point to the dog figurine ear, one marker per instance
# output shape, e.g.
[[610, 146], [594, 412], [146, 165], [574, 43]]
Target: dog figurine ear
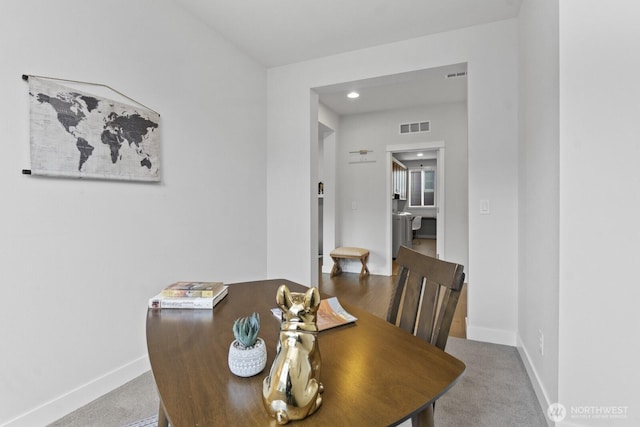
[[312, 298], [283, 297]]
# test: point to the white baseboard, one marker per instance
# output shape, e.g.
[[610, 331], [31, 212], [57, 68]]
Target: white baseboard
[[495, 336], [57, 408], [541, 393]]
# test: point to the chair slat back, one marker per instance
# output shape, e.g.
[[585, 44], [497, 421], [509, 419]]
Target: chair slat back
[[425, 296]]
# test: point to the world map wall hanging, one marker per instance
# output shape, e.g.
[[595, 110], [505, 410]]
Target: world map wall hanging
[[77, 134]]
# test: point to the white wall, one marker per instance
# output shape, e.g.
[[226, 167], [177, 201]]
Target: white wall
[[79, 259], [539, 194], [365, 183], [491, 53], [599, 238]]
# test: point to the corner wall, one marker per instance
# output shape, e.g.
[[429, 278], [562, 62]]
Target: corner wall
[[491, 53], [539, 199], [79, 259]]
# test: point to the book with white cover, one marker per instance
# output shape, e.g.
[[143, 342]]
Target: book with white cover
[[160, 301]]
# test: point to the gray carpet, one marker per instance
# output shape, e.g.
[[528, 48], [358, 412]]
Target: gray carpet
[[151, 421], [132, 402], [494, 392]]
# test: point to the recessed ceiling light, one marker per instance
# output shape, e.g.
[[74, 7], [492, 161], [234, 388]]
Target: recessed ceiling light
[[420, 154], [353, 95]]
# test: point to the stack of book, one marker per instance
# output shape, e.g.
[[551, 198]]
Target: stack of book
[[190, 295]]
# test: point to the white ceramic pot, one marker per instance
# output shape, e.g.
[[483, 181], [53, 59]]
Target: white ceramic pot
[[247, 362]]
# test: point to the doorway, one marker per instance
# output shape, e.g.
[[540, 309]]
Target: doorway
[[362, 190], [434, 150], [326, 192]]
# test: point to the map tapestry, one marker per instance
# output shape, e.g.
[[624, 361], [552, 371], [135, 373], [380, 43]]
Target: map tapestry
[[75, 134]]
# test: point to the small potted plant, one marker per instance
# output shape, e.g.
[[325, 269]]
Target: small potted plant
[[248, 352]]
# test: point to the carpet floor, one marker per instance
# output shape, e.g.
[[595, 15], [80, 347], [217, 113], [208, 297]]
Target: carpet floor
[[495, 391]]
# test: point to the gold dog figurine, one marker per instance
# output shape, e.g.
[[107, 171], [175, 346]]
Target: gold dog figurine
[[293, 390]]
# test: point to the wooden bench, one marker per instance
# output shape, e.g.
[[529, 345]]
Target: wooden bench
[[349, 253]]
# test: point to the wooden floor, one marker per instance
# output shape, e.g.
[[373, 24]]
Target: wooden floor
[[373, 292]]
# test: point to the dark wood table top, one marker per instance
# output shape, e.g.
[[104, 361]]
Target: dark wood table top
[[373, 372]]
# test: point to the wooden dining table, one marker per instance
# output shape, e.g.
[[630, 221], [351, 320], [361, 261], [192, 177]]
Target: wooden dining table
[[374, 373]]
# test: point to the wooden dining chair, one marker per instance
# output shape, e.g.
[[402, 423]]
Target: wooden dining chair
[[423, 301]]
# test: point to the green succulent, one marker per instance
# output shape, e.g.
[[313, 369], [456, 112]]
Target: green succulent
[[246, 329]]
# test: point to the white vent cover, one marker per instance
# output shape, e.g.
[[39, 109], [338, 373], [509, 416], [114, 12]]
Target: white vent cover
[[455, 75], [415, 127]]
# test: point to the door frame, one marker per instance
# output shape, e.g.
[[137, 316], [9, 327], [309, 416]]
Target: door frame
[[439, 148]]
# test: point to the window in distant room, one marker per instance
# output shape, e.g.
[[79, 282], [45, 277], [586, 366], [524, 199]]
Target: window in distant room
[[422, 185]]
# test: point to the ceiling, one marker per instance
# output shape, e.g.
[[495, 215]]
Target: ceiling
[[398, 91], [279, 32]]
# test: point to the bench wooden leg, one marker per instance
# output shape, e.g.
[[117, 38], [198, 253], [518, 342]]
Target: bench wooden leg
[[364, 271], [336, 267]]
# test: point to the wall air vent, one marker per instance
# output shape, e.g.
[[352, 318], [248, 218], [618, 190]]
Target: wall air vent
[[415, 127], [456, 75]]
